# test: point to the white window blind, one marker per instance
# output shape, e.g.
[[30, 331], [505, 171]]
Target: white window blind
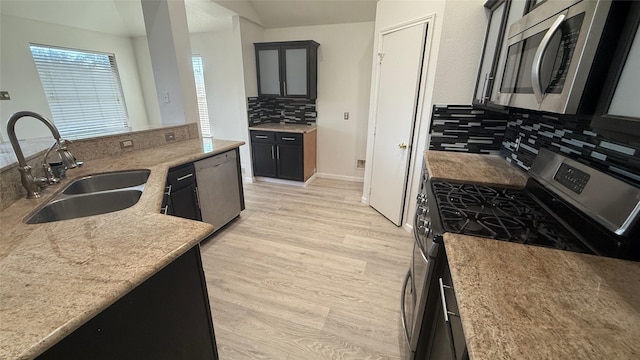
[[203, 108], [83, 90]]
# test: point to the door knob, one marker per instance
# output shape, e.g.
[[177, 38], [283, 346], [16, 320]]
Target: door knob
[[402, 146]]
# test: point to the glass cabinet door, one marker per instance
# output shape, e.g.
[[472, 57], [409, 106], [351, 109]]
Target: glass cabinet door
[[269, 67], [295, 72]]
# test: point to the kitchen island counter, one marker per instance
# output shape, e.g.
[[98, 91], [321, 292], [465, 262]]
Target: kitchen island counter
[[56, 276], [490, 170], [525, 302]]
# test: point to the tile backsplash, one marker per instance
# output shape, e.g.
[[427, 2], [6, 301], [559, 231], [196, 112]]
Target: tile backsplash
[[520, 135], [276, 110], [570, 136], [463, 128]]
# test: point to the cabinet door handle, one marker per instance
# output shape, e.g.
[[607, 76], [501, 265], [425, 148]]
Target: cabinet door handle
[[278, 151], [285, 87], [289, 139], [185, 177], [272, 155], [168, 192], [165, 210], [262, 137]]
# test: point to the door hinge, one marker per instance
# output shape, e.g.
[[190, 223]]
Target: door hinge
[[380, 57]]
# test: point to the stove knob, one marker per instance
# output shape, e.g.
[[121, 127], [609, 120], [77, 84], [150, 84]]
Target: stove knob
[[422, 227], [421, 210]]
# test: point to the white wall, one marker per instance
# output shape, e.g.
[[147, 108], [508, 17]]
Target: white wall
[[344, 75], [19, 76], [225, 79], [452, 65], [169, 45], [461, 44]]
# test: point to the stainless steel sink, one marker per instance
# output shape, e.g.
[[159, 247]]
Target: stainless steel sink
[[93, 195], [85, 205], [107, 181]]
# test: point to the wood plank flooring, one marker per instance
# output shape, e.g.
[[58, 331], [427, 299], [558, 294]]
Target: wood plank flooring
[[307, 273]]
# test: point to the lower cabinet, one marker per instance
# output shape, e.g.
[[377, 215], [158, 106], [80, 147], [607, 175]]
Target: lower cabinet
[[182, 192], [447, 341], [208, 190], [166, 317], [284, 155]]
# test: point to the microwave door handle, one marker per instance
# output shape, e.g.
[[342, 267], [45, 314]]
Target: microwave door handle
[[537, 58]]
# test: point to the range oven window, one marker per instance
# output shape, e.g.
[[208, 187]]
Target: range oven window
[[555, 63]]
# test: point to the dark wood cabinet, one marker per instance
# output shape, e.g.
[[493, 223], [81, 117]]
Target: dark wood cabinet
[[284, 155], [287, 69], [447, 340], [617, 115], [502, 14], [290, 162], [166, 317], [264, 159], [183, 196]]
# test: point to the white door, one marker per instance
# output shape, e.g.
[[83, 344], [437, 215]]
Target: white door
[[400, 64]]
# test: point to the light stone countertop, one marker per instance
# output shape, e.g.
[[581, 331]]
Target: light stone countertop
[[490, 170], [56, 276], [526, 302], [293, 128]]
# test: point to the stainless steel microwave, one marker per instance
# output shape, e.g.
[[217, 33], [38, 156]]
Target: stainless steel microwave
[[550, 54]]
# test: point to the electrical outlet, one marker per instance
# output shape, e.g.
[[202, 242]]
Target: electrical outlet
[[170, 136], [359, 164], [126, 144], [346, 115]]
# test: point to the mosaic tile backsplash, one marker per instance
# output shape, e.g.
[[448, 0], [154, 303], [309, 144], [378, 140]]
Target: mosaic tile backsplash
[[519, 136], [276, 110], [463, 128], [570, 136]]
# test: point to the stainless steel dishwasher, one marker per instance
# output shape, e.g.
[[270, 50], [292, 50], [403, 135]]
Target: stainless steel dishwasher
[[219, 188]]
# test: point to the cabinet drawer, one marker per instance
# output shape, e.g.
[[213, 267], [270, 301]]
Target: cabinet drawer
[[289, 138], [263, 136], [181, 176]]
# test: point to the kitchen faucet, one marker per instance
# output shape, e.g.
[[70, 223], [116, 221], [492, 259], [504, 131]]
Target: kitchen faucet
[[31, 183]]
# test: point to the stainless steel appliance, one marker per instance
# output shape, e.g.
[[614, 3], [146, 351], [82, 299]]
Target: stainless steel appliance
[[550, 55], [565, 205], [218, 190]]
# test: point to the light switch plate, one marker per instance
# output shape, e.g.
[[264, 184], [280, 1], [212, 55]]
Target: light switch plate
[[4, 95], [170, 136]]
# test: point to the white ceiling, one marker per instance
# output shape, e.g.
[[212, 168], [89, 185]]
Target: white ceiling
[[124, 17]]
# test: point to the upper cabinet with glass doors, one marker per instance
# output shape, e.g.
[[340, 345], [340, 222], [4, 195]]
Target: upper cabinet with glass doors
[[287, 69], [502, 14]]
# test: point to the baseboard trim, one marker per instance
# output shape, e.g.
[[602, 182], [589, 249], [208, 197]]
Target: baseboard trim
[[285, 182], [249, 179], [340, 177]]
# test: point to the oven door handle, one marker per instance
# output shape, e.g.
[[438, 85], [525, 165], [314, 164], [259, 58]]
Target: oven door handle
[[417, 240], [536, 82], [402, 308]]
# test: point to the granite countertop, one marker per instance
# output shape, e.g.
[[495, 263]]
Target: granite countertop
[[56, 276], [491, 170], [293, 128], [525, 302]]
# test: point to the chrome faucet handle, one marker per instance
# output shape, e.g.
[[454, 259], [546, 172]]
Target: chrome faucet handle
[[29, 182]]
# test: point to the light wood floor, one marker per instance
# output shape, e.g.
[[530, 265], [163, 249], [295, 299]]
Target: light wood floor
[[307, 273]]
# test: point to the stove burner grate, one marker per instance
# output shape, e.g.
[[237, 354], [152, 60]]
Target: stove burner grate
[[500, 213]]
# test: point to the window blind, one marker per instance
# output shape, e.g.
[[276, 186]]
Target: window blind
[[83, 90], [203, 108]]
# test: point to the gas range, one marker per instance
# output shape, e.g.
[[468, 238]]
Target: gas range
[[565, 205], [501, 214]]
